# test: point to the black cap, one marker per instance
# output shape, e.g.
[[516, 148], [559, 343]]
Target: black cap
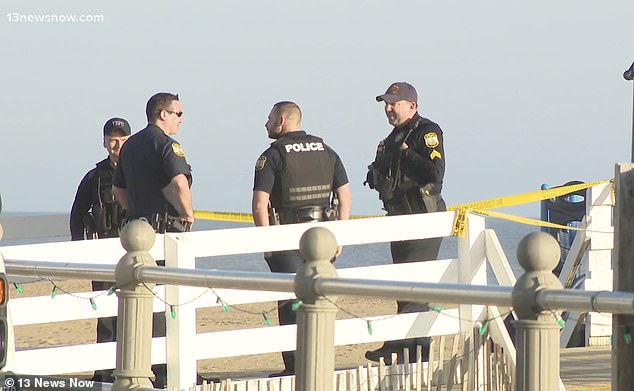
[[116, 124]]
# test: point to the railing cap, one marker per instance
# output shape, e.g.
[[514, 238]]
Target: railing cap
[[538, 251], [318, 244], [137, 235]]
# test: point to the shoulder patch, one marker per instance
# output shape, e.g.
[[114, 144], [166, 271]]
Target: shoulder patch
[[176, 147], [260, 163], [431, 140]]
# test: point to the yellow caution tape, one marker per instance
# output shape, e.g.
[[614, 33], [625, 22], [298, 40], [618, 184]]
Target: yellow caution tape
[[239, 217], [526, 198], [524, 220], [236, 217], [481, 207], [460, 220]]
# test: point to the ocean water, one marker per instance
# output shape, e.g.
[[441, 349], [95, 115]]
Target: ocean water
[[509, 234], [30, 228]]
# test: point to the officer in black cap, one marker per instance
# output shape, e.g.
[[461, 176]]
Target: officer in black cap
[[95, 214], [408, 172], [153, 182], [294, 180]]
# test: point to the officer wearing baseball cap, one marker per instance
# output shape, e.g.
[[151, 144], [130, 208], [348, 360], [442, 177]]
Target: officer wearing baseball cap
[[95, 214], [408, 173]]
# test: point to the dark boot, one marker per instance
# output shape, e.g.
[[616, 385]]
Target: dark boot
[[289, 365], [160, 376]]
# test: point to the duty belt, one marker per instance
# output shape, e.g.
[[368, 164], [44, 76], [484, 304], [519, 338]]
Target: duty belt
[[162, 223], [302, 215]]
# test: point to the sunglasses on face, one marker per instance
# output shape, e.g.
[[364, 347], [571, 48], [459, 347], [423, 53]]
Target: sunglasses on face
[[178, 113]]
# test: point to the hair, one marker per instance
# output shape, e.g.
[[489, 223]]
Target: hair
[[157, 103], [289, 110]]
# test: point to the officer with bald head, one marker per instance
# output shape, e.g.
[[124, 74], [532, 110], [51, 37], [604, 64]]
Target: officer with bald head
[[296, 180]]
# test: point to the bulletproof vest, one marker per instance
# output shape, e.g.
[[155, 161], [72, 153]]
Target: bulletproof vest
[[388, 176], [107, 213], [307, 174]]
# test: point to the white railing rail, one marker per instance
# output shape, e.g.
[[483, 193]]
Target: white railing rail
[[181, 250]]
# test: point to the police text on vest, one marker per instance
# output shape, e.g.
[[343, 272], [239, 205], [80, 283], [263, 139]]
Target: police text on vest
[[304, 147]]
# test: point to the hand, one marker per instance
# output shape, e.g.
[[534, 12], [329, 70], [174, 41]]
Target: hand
[[404, 146]]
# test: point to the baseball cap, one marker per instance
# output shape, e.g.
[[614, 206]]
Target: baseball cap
[[116, 124], [399, 91]]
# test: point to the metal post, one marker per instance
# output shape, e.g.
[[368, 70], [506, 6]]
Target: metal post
[[537, 331], [622, 348], [316, 315], [134, 322], [629, 75]]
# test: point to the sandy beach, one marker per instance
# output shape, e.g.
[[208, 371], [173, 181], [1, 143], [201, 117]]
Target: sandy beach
[[209, 319], [248, 316]]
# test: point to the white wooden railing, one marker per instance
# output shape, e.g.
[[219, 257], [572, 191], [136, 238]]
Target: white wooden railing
[[181, 250]]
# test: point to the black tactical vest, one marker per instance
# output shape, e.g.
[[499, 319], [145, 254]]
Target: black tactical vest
[[106, 212], [388, 176], [307, 174]]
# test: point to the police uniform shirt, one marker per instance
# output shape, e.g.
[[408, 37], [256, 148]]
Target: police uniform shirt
[[271, 163], [147, 163], [88, 194], [424, 160]]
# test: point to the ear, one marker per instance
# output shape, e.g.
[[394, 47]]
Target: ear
[[104, 142]]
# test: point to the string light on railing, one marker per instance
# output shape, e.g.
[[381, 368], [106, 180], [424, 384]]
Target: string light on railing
[[627, 336], [267, 320], [54, 291], [18, 287], [173, 311], [484, 327], [369, 324], [93, 304], [112, 290], [436, 307], [225, 306], [296, 304]]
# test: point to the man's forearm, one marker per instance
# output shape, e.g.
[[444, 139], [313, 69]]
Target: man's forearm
[[344, 197], [179, 195], [260, 208]]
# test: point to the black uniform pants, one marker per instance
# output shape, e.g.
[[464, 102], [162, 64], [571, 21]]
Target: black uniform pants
[[286, 262], [404, 252]]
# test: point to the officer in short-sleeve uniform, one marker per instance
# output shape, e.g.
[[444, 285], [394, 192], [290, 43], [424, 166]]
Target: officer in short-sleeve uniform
[[149, 160], [297, 175], [408, 173], [153, 181]]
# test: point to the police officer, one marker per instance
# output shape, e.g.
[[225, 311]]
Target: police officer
[[294, 180], [408, 172], [153, 182], [95, 214]]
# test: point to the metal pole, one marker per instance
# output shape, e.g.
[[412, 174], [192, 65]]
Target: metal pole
[[629, 75], [537, 332], [134, 319], [316, 315]]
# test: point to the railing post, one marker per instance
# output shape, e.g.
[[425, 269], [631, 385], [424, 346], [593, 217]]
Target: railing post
[[537, 331], [134, 321], [316, 315]]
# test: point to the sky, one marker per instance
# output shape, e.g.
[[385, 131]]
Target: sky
[[526, 92]]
